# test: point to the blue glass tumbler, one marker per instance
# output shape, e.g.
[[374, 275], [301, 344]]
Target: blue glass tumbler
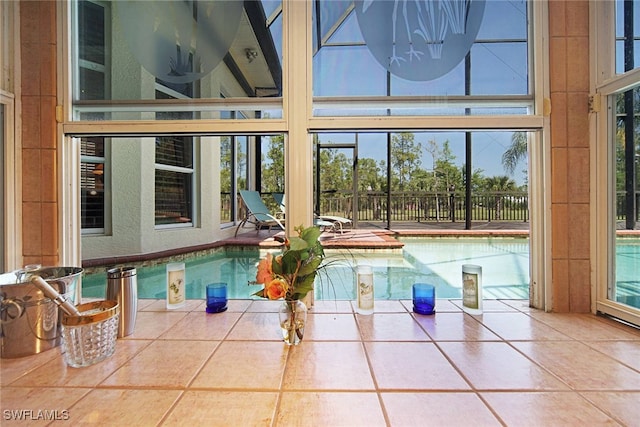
[[216, 297], [424, 298]]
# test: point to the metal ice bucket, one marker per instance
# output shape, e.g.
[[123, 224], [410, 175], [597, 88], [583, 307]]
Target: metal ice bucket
[[30, 321]]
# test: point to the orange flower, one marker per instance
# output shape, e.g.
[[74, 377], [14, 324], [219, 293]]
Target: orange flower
[[276, 289], [265, 273]]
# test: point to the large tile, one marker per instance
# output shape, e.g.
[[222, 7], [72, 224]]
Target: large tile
[[437, 409], [152, 324], [224, 408], [546, 409], [391, 327], [331, 306], [497, 366], [236, 305], [331, 327], [412, 365], [11, 369], [330, 409], [259, 326], [161, 305], [519, 326], [489, 305], [327, 365], [584, 327], [580, 366], [26, 406], [202, 326], [386, 306], [142, 303], [520, 305], [122, 407], [56, 372], [455, 327], [244, 364], [264, 306], [627, 352], [164, 364], [622, 406]]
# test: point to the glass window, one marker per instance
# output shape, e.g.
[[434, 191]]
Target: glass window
[[227, 206], [627, 35], [229, 47], [422, 177], [233, 175], [627, 200], [93, 60], [94, 181], [407, 51], [174, 180], [272, 164]]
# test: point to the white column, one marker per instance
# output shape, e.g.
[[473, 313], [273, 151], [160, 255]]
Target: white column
[[297, 108]]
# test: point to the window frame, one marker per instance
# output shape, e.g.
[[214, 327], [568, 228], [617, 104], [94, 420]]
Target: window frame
[[298, 124], [605, 85]]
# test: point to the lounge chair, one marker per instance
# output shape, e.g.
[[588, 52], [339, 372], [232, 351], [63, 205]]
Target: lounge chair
[[326, 222], [339, 222], [258, 213]]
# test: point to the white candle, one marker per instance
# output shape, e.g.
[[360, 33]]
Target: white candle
[[175, 285], [364, 289], [472, 288]]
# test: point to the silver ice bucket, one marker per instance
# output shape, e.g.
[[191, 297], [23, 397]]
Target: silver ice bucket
[[30, 321]]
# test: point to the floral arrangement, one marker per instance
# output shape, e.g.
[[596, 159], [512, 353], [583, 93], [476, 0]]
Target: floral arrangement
[[290, 276]]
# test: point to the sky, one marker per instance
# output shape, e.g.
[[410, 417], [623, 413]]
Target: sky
[[351, 63]]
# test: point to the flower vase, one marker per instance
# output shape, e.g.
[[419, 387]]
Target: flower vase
[[293, 317]]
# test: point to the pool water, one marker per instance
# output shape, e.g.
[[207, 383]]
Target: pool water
[[438, 261], [627, 289]]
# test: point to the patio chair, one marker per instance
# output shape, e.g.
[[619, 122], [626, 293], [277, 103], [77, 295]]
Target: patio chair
[[325, 222], [339, 222], [258, 213]]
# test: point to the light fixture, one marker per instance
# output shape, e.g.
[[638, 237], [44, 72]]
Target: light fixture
[[251, 54]]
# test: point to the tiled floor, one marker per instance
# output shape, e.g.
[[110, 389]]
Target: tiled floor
[[510, 366]]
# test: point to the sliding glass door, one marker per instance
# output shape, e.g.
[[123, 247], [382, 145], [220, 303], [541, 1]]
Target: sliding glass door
[[617, 139]]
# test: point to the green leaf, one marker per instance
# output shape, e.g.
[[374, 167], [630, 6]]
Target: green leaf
[[297, 244], [310, 267], [311, 235], [289, 262], [275, 267], [303, 286]]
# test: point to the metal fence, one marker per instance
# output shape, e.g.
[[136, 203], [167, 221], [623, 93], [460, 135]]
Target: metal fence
[[429, 206], [621, 206]]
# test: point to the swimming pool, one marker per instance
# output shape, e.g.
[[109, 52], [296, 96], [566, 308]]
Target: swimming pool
[[505, 263]]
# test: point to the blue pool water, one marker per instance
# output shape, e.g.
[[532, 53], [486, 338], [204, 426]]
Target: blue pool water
[[438, 261], [627, 289]]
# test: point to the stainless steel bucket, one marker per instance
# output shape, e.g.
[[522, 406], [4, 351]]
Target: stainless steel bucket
[[30, 321]]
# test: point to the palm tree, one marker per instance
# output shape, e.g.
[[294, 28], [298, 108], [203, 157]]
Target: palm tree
[[499, 184], [516, 152]]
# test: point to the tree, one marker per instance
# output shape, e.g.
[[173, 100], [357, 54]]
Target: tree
[[516, 152], [273, 166], [447, 173], [499, 184], [405, 157], [225, 164], [368, 175]]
